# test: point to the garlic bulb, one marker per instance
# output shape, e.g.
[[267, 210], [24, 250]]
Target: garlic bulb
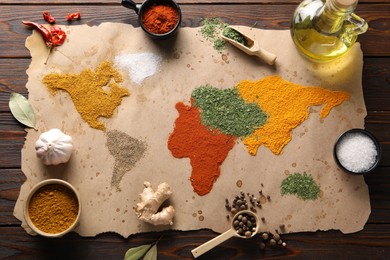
[[54, 147]]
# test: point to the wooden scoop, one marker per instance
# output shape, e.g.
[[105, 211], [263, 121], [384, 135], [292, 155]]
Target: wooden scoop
[[200, 250], [253, 48]]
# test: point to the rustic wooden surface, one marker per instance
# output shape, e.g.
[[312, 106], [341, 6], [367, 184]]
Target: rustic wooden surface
[[371, 243]]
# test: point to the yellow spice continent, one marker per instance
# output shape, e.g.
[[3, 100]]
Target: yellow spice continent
[[286, 105], [88, 95]]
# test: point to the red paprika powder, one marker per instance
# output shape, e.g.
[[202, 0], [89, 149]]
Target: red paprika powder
[[206, 149], [160, 19]]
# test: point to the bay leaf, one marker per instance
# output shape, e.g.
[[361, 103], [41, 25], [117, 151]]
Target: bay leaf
[[22, 110], [136, 253], [152, 253]]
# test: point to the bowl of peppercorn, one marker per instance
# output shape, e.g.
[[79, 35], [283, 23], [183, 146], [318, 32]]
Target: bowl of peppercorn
[[160, 19], [52, 208], [357, 151]]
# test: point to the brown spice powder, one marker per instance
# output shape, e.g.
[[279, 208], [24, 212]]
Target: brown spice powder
[[53, 208], [127, 151]]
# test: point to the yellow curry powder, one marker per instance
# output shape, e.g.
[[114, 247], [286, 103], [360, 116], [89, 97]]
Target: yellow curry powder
[[53, 208], [88, 94], [286, 105]]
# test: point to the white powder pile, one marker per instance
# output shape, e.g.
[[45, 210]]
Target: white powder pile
[[139, 65], [356, 152]]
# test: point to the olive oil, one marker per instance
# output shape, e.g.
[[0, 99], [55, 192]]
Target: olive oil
[[318, 46], [324, 30]]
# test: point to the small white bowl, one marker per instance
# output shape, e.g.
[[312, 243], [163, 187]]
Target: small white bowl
[[27, 203]]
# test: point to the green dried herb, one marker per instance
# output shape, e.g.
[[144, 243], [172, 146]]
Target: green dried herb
[[235, 36], [211, 29], [226, 111], [22, 110], [301, 185]]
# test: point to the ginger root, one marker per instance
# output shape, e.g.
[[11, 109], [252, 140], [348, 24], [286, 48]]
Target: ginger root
[[151, 201]]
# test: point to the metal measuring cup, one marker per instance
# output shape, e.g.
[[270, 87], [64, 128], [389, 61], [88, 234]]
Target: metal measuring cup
[[141, 8], [232, 232]]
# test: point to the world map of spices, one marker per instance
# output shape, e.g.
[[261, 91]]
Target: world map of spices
[[262, 112], [281, 106]]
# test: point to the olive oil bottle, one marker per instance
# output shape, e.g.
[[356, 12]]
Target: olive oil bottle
[[323, 30]]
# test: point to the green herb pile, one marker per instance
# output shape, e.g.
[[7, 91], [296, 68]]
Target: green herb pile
[[211, 29], [301, 185], [226, 111], [235, 36]]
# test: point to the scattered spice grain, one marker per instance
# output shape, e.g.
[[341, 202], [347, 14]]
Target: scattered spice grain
[[211, 29], [53, 208]]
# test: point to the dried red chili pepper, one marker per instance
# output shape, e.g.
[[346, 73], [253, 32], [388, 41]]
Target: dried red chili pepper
[[53, 37], [58, 36], [48, 17], [73, 16], [46, 35]]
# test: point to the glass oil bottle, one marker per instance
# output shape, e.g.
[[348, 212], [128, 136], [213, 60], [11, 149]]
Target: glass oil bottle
[[323, 30]]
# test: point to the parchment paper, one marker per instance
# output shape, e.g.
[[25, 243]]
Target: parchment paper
[[149, 114]]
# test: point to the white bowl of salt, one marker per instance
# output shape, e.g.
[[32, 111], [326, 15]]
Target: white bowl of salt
[[357, 151]]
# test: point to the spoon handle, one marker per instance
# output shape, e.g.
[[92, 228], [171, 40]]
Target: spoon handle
[[266, 56], [200, 250]]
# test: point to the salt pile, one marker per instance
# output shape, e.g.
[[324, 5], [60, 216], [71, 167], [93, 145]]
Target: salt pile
[[356, 152], [139, 65]]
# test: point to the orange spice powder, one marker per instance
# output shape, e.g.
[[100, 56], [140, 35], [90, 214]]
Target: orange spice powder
[[206, 149], [286, 105], [160, 19]]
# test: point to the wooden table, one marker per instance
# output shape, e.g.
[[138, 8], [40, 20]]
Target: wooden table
[[371, 243]]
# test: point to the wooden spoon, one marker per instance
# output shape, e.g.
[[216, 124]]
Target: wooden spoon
[[253, 48], [200, 250]]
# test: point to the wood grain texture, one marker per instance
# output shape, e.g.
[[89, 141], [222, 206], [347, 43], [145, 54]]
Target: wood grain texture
[[13, 32], [181, 2], [178, 245], [371, 243]]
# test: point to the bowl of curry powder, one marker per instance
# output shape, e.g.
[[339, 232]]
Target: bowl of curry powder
[[52, 208]]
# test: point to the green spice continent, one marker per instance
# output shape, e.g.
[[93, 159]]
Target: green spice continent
[[226, 111], [301, 185]]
